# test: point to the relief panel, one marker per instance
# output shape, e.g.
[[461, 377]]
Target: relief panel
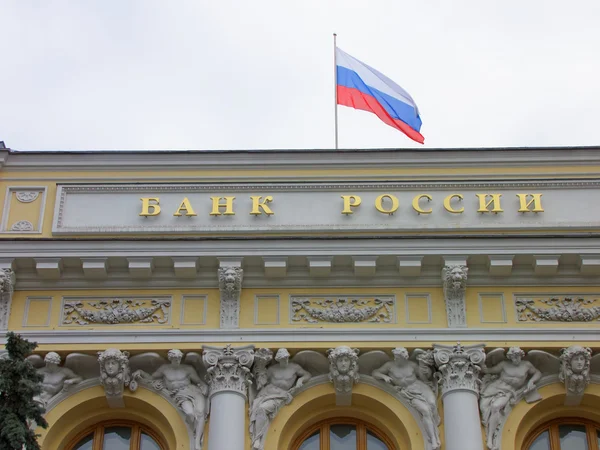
[[23, 209], [369, 309]]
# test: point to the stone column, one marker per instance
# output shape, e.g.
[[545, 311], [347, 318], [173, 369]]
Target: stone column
[[459, 369], [228, 375], [7, 286]]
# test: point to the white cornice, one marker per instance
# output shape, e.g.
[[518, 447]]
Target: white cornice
[[303, 159], [299, 335]]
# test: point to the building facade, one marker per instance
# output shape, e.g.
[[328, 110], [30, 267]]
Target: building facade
[[308, 300]]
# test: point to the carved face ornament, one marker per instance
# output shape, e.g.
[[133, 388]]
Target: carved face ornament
[[343, 364], [175, 356], [112, 366], [578, 363]]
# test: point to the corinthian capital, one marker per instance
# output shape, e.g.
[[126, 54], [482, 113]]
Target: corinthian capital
[[228, 368], [454, 278], [459, 367], [230, 285], [7, 286]]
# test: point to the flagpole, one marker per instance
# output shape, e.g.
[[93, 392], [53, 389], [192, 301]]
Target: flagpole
[[335, 89]]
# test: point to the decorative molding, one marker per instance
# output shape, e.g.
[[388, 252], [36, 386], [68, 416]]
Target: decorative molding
[[23, 192], [416, 336], [230, 286], [22, 225], [481, 298], [343, 372], [114, 375], [27, 196], [427, 298], [7, 286], [257, 299], [454, 278], [116, 310], [347, 309], [459, 367], [28, 305], [565, 309], [185, 299], [228, 369]]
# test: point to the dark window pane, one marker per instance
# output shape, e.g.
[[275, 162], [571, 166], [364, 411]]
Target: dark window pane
[[117, 438], [85, 443], [147, 443], [542, 442], [572, 437], [313, 442], [374, 443], [342, 437]]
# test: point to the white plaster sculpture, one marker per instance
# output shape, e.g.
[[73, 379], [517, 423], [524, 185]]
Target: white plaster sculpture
[[575, 369], [275, 385], [505, 383], [7, 285], [230, 285], [454, 278], [180, 382], [343, 372], [413, 378], [56, 378], [114, 375]]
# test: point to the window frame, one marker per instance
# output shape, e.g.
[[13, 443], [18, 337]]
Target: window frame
[[98, 432], [591, 428], [362, 426]]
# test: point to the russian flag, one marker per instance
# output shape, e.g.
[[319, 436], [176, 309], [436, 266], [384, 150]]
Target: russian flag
[[362, 87]]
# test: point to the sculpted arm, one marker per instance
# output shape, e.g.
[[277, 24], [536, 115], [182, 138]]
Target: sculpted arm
[[382, 373], [535, 376], [303, 376], [494, 370], [71, 377], [158, 375]]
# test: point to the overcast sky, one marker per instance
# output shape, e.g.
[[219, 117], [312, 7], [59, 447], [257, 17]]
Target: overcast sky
[[149, 74]]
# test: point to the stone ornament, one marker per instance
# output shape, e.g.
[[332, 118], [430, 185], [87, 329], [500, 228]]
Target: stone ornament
[[560, 310], [114, 375], [228, 368], [575, 368], [413, 378], [505, 383], [343, 310], [459, 366], [22, 225], [27, 196], [116, 311], [275, 384], [179, 382], [230, 285], [57, 379], [343, 372], [7, 285], [454, 278]]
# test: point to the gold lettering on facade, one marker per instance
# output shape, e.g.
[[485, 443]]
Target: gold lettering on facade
[[257, 205], [150, 209], [185, 206], [536, 200], [228, 205], [448, 204], [494, 202], [379, 204], [350, 201], [417, 208]]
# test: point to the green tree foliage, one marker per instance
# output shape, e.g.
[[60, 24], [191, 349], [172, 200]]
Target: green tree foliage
[[19, 384]]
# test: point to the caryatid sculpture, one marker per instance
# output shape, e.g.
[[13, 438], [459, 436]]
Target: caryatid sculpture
[[343, 372], [575, 371], [504, 385], [182, 383], [414, 381], [114, 375], [56, 378], [275, 385]]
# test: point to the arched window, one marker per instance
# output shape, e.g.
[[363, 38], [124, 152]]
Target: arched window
[[121, 435], [343, 434], [565, 434]]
